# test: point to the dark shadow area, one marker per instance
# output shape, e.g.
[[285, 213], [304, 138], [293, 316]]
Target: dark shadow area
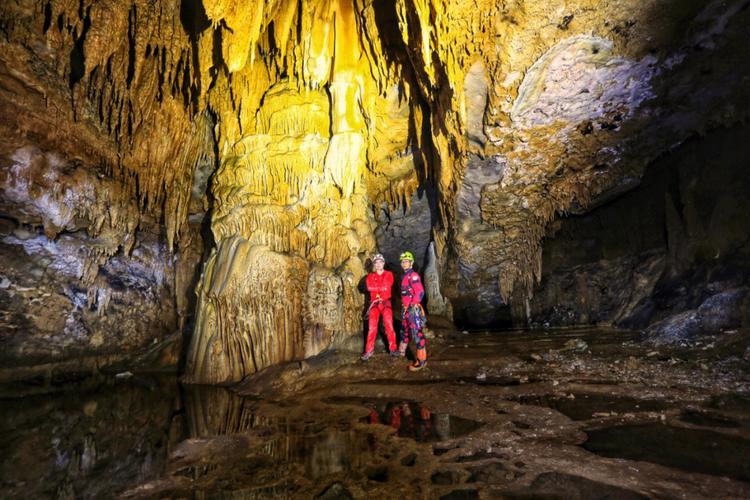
[[77, 57], [217, 58], [466, 318], [132, 19], [554, 485], [194, 22], [587, 406], [47, 17], [207, 237], [679, 243], [700, 451]]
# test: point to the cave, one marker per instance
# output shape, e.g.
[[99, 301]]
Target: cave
[[194, 193]]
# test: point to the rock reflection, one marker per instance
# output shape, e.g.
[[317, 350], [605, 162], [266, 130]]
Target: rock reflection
[[90, 440], [314, 448]]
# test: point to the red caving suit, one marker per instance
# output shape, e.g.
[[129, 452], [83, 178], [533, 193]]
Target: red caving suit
[[379, 286]]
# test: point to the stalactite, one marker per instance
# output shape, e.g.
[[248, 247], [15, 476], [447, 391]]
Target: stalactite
[[317, 112], [295, 180]]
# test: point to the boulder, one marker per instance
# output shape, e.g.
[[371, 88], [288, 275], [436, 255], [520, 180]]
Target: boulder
[[675, 329], [723, 310]]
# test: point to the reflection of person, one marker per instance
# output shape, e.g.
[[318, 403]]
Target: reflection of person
[[413, 315], [424, 426], [407, 421], [394, 416], [373, 417], [379, 284]]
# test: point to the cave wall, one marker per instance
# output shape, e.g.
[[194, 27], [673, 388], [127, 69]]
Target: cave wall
[[313, 133], [673, 253], [562, 110], [267, 146], [99, 140]]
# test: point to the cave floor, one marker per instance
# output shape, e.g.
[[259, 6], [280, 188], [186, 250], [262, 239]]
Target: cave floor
[[555, 414], [566, 413]]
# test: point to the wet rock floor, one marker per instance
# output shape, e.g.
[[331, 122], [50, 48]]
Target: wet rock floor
[[557, 414]]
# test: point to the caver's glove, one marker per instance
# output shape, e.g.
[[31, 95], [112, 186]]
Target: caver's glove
[[417, 315]]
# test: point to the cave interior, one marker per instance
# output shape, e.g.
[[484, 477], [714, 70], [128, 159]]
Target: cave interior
[[192, 192]]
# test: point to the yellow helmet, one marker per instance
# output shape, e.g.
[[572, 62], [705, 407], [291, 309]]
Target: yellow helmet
[[406, 256]]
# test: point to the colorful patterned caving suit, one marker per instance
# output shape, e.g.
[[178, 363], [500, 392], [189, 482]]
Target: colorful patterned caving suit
[[379, 286], [413, 319]]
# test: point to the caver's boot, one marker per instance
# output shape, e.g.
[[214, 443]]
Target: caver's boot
[[421, 361], [402, 349]]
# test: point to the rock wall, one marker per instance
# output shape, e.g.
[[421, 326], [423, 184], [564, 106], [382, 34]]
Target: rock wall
[[672, 253], [99, 140], [275, 141], [541, 109]]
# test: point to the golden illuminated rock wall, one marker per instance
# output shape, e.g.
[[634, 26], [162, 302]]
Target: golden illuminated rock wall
[[314, 118], [308, 126]]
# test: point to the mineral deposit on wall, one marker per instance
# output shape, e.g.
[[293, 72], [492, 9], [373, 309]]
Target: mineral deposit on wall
[[299, 133]]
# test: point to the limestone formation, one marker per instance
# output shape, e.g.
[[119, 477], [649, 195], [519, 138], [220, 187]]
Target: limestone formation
[[258, 152]]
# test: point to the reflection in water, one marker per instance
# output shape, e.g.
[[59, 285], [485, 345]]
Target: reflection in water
[[103, 437], [319, 448], [416, 421], [91, 439]]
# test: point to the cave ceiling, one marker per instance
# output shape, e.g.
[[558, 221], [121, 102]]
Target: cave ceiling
[[292, 123]]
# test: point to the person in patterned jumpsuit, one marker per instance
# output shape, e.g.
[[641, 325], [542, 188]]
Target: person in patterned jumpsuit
[[413, 315]]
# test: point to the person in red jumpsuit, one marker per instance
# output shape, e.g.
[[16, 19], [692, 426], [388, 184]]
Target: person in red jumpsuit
[[379, 284], [413, 316]]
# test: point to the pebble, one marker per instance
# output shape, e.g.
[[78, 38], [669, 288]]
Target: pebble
[[4, 283]]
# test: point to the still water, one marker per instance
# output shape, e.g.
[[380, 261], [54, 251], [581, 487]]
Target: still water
[[99, 438]]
